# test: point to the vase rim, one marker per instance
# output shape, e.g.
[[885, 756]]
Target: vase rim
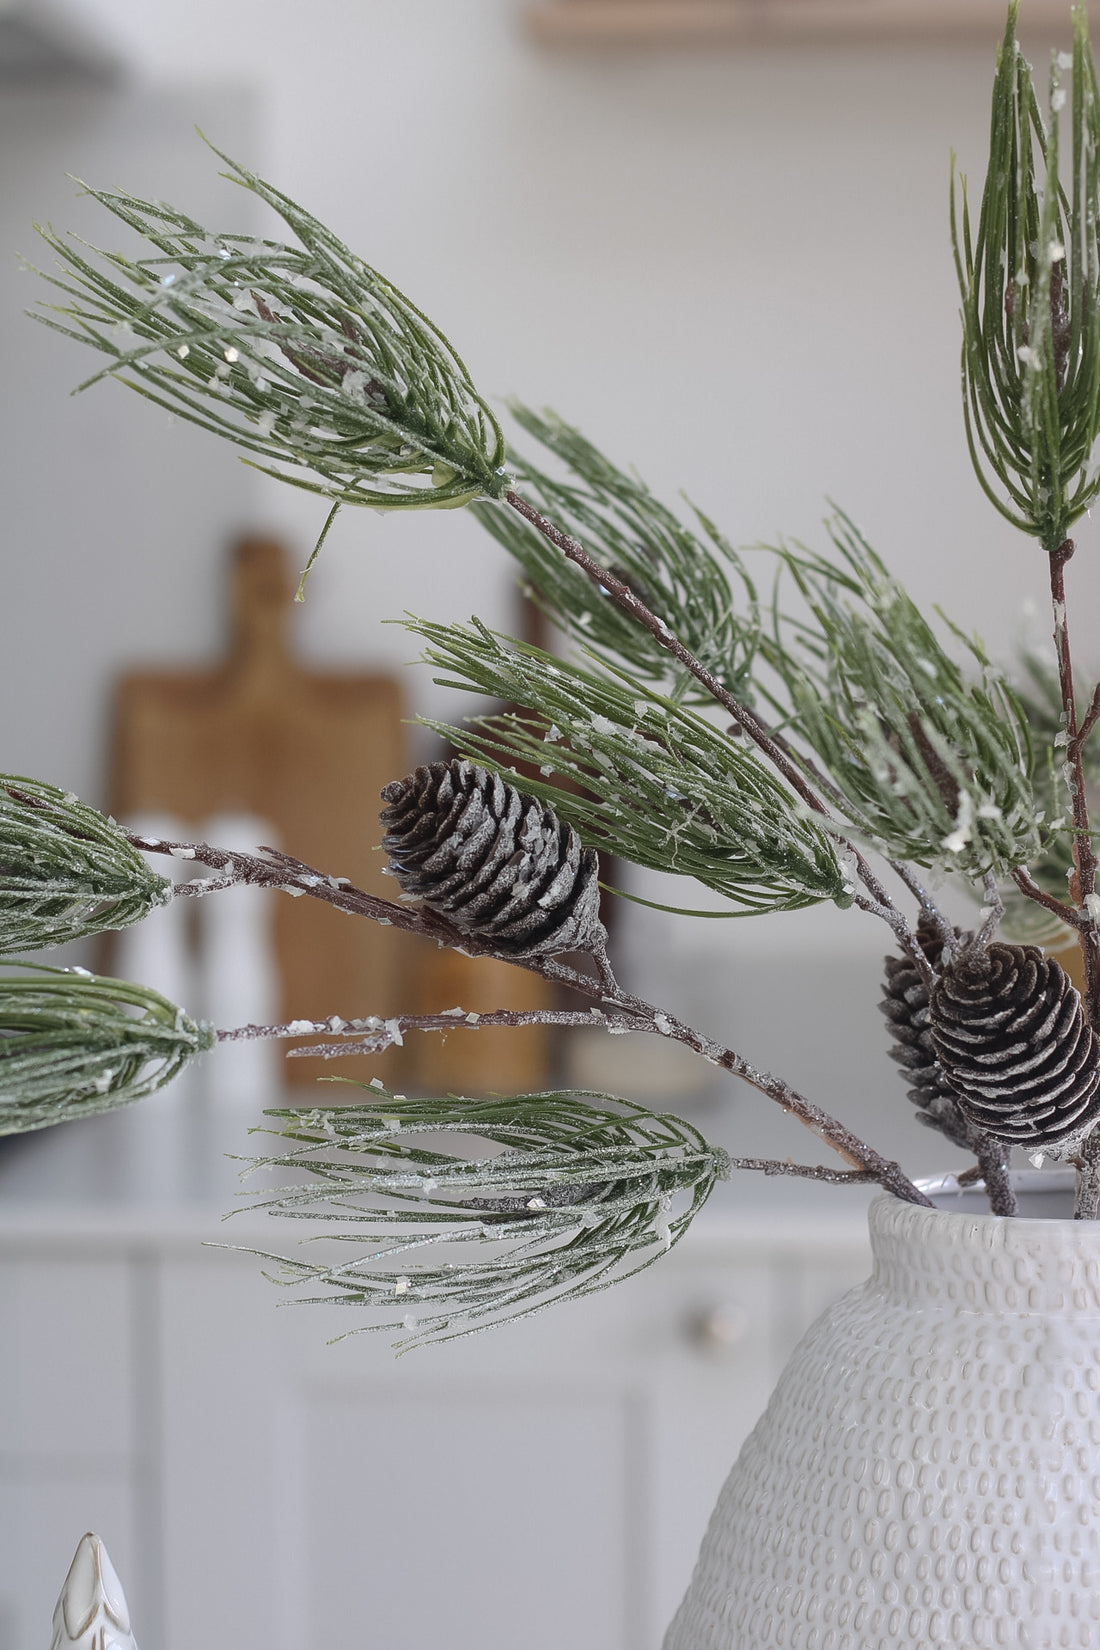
[[969, 1259]]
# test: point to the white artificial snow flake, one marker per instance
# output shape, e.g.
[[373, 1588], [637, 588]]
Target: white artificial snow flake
[[989, 810], [473, 1019], [103, 1082], [231, 354], [183, 853], [242, 300], [401, 1287], [1057, 250], [335, 1023], [1029, 356], [957, 839], [1036, 1159], [1092, 906], [1058, 99], [1059, 615], [453, 1013], [183, 351], [1065, 60], [1061, 739], [661, 1021], [410, 1322], [302, 1028], [221, 371], [377, 1083], [536, 1203], [393, 1032], [602, 725]]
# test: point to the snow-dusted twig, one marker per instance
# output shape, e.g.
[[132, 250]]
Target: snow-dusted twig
[[804, 1171], [271, 868]]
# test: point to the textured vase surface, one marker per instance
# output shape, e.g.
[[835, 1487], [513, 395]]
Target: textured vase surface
[[927, 1472]]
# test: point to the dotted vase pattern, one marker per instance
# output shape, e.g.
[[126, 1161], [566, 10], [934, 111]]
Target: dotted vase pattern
[[927, 1472]]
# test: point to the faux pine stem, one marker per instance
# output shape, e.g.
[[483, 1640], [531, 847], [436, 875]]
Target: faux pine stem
[[879, 902], [281, 871], [1083, 879]]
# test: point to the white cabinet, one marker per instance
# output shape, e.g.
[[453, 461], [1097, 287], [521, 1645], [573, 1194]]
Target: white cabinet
[[542, 1485]]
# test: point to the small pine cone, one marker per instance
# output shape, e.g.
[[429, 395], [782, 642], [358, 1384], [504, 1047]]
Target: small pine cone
[[905, 1005], [497, 863], [1011, 1038]]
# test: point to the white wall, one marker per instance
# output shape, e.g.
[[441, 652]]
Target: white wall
[[732, 268]]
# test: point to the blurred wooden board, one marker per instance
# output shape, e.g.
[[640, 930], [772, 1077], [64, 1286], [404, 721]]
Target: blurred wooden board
[[309, 752], [306, 751]]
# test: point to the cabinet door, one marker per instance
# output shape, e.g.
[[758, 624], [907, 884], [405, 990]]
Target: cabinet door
[[546, 1484]]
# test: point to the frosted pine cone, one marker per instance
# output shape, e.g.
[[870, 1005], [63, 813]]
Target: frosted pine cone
[[905, 1005], [1010, 1036], [497, 863]]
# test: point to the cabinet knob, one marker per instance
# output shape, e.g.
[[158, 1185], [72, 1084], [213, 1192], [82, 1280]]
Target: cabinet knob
[[719, 1328]]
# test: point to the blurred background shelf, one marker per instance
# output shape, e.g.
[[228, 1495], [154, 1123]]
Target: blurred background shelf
[[752, 22], [749, 22]]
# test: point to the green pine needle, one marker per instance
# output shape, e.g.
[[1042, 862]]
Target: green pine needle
[[927, 761], [1030, 286], [304, 356], [66, 871], [578, 1191], [684, 577], [73, 1044], [646, 778]]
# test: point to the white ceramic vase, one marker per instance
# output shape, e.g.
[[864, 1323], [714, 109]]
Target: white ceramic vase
[[927, 1472]]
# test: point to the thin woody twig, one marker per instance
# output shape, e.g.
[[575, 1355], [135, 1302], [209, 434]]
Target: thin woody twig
[[1082, 885], [995, 911], [1058, 908], [1092, 715], [805, 1171], [278, 870], [373, 1034]]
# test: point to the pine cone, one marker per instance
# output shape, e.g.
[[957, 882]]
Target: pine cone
[[1009, 1032], [905, 1004], [497, 863]]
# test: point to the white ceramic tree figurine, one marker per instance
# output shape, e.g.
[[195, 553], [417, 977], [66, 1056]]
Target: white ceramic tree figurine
[[845, 753], [91, 1611]]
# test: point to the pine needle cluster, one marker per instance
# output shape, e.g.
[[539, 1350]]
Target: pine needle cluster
[[66, 871], [929, 761], [1029, 276], [303, 356], [569, 1193], [73, 1044]]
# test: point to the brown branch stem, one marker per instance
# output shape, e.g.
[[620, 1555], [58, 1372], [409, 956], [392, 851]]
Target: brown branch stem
[[1065, 913], [804, 1171], [1083, 880], [273, 869]]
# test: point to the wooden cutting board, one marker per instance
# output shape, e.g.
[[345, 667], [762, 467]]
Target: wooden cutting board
[[309, 752]]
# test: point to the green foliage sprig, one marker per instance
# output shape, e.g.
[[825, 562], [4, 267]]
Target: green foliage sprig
[[1030, 285], [304, 355], [682, 576], [579, 1191], [656, 783], [930, 763], [73, 1044], [66, 871]]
